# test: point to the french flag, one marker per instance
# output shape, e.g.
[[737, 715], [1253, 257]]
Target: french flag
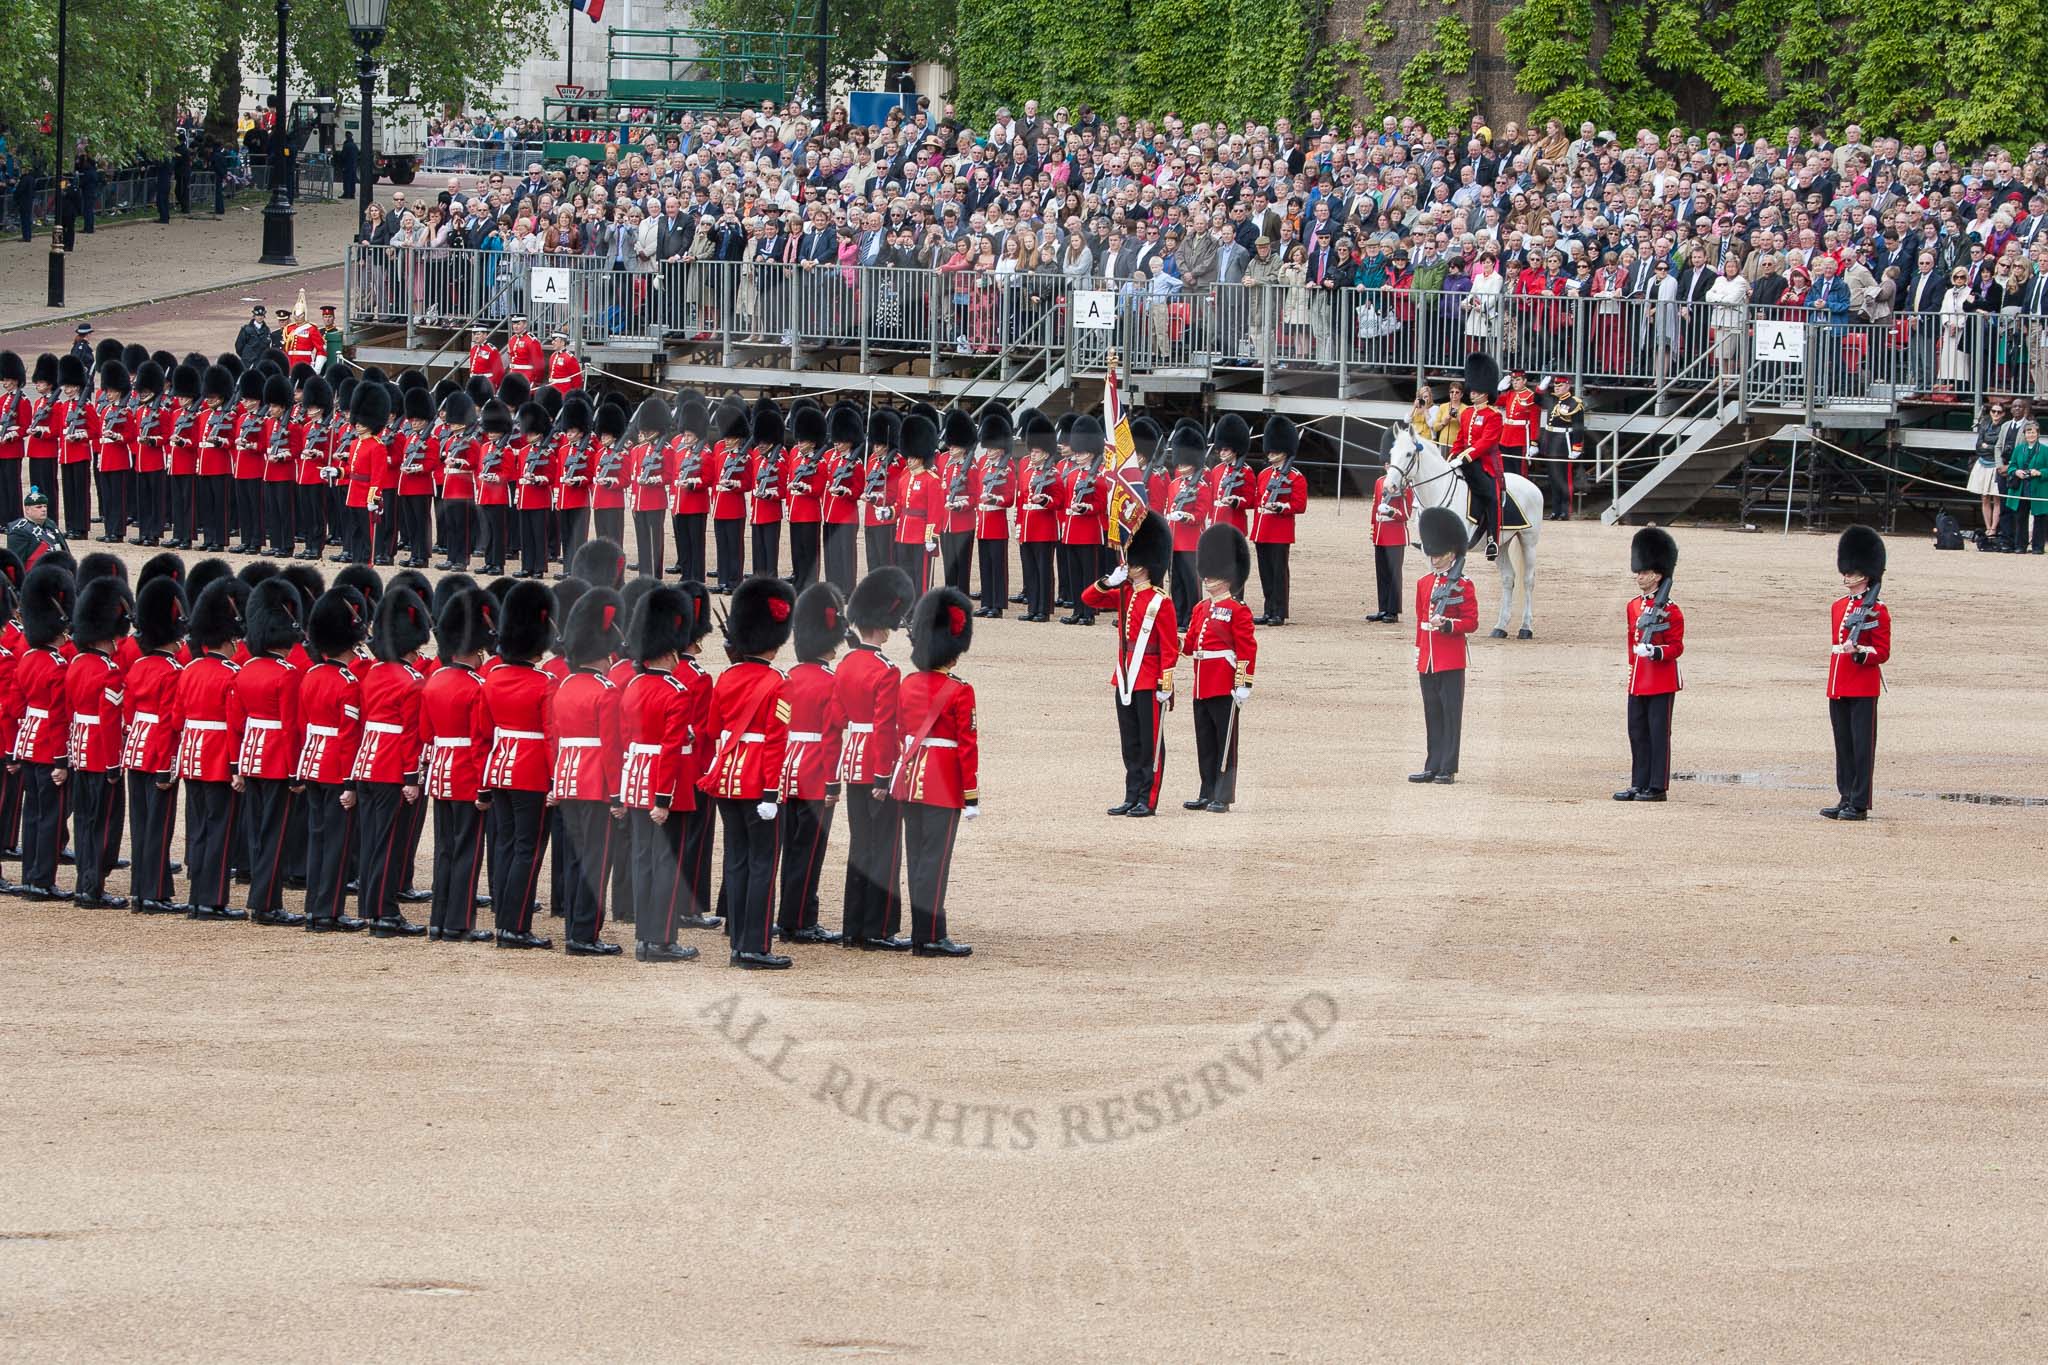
[[593, 8]]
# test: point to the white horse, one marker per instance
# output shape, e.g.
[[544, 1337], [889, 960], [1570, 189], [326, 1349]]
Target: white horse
[[1418, 464]]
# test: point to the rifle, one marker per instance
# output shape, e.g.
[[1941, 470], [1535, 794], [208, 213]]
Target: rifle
[[39, 418], [806, 470], [609, 463], [691, 469], [650, 463], [10, 416], [1041, 481], [841, 486], [956, 485], [529, 472], [74, 420], [216, 423], [280, 441], [1447, 587], [1861, 616], [494, 455], [1282, 483], [995, 483], [182, 428], [1185, 495], [769, 485], [1655, 619], [729, 469], [1231, 485]]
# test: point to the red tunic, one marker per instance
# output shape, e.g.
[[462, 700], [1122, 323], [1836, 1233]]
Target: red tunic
[[118, 423], [764, 480], [1391, 528], [79, 431], [1187, 510], [608, 474], [417, 466], [654, 728], [390, 748], [520, 758], [1041, 505], [586, 729], [1222, 645], [45, 427], [487, 361], [649, 470], [1851, 675], [497, 465], [267, 690], [16, 410], [150, 714], [211, 719], [565, 372], [574, 459], [1519, 415], [455, 455], [920, 507], [249, 444], [684, 463], [455, 732], [956, 475], [1087, 507], [698, 687], [939, 763], [524, 355], [1231, 489], [750, 718], [279, 439], [366, 460], [93, 691], [816, 723], [153, 436], [866, 684], [881, 482], [732, 479], [840, 475], [1147, 643], [532, 464], [995, 485], [329, 707], [803, 476], [1435, 651], [1277, 506], [1657, 674]]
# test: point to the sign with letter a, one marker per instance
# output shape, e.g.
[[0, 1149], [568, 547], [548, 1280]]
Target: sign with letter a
[[1095, 310], [551, 284], [1782, 342]]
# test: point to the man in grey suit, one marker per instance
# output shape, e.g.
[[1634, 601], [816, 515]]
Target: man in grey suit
[[1231, 259]]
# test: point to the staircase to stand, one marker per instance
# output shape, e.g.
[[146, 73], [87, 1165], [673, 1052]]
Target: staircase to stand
[[1709, 448]]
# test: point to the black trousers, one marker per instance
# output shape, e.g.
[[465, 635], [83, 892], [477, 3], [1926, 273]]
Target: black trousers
[[1144, 746], [518, 839], [277, 517], [916, 561], [610, 522], [381, 814], [1274, 578], [146, 504], [211, 811], [574, 526], [384, 526], [1186, 584], [413, 529], [1216, 747], [330, 850], [43, 811], [1485, 500], [839, 552], [533, 539], [1855, 725], [728, 535], [647, 543], [1386, 575], [1083, 566], [874, 859], [1037, 561], [211, 493], [458, 863], [43, 474], [995, 575], [312, 518], [493, 523], [1649, 741], [806, 539], [248, 494], [337, 512], [928, 834], [152, 811], [357, 531], [700, 838], [183, 507], [689, 530], [456, 525], [10, 491], [655, 865], [750, 848], [1066, 591], [586, 858], [96, 834], [77, 477], [269, 801], [956, 551], [881, 546], [806, 830], [1443, 718], [113, 491], [767, 537]]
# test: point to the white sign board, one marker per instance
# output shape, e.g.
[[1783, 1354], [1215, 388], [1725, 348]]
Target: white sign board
[[551, 284], [1095, 310], [1782, 342]]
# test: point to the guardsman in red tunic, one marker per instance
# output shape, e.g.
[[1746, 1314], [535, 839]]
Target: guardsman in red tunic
[[457, 445], [409, 479], [1230, 480], [866, 684], [532, 471], [565, 371], [994, 484], [252, 418], [749, 726], [1282, 496], [45, 425], [1446, 611], [920, 507], [210, 721], [574, 459], [265, 769], [1476, 450], [78, 436], [369, 411], [386, 772], [1520, 415], [278, 466], [766, 489], [156, 415], [881, 477], [955, 472], [1185, 504], [1224, 650], [1656, 639], [15, 411], [840, 504], [687, 462], [304, 344], [519, 768], [657, 780], [523, 355], [485, 360], [94, 684], [1083, 521], [330, 710], [803, 482], [1146, 438], [455, 734], [1147, 644], [149, 752], [41, 741], [312, 435], [114, 460], [586, 774], [730, 486], [1390, 517], [1040, 494], [936, 780], [494, 475], [810, 779], [646, 472], [1861, 635], [608, 473]]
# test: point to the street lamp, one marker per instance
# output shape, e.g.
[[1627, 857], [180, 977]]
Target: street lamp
[[277, 214], [366, 26], [60, 219]]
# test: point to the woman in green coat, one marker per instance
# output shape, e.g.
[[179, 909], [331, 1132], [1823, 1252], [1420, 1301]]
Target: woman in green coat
[[2026, 493]]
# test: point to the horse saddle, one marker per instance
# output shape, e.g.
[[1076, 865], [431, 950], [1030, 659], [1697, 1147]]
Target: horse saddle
[[1511, 518]]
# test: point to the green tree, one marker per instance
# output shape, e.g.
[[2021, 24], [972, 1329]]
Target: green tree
[[451, 52], [128, 69], [894, 30]]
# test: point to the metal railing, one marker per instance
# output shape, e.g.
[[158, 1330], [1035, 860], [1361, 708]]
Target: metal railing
[[512, 155]]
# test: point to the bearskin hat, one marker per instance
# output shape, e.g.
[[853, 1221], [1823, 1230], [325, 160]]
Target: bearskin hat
[[413, 580], [514, 390], [576, 413], [277, 616], [699, 599], [375, 374], [500, 586], [820, 624], [318, 396], [410, 379], [549, 399], [630, 595], [277, 391], [1441, 530], [255, 571], [760, 618], [70, 372], [308, 580], [169, 565], [926, 411], [456, 409], [480, 390], [419, 405], [767, 424], [652, 418], [526, 628], [364, 579], [495, 418], [882, 600], [185, 382], [956, 430], [661, 625], [731, 418], [1187, 445], [1037, 433], [693, 419], [159, 614], [612, 420], [885, 429], [149, 378], [1224, 553], [465, 622], [200, 576], [600, 563], [1151, 548], [445, 590], [941, 628], [1653, 550], [919, 439], [1086, 437], [401, 625], [1145, 437], [249, 386], [114, 378], [1281, 436], [594, 628], [1482, 378], [996, 430], [218, 383], [217, 615], [10, 567], [843, 426], [1063, 428], [47, 595], [165, 360], [107, 349], [337, 623], [106, 611], [1860, 551], [370, 407], [97, 565], [807, 427], [1231, 432], [12, 368], [568, 593], [533, 420]]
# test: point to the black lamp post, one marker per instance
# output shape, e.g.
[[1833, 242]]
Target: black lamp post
[[277, 214], [366, 26], [62, 162]]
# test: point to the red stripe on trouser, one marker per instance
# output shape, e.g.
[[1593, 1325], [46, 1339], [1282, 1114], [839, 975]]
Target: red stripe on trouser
[[945, 873], [271, 894], [540, 843], [169, 801], [1158, 753], [476, 871], [106, 860], [675, 886], [1670, 714]]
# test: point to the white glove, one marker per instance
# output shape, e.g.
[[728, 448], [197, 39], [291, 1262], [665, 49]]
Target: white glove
[[766, 810], [1116, 577], [1385, 511], [1240, 695], [1844, 648], [970, 812], [1644, 651]]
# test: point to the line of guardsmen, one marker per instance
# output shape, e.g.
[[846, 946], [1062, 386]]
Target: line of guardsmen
[[312, 735]]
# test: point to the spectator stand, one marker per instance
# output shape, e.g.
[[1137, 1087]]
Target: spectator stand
[[655, 76]]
